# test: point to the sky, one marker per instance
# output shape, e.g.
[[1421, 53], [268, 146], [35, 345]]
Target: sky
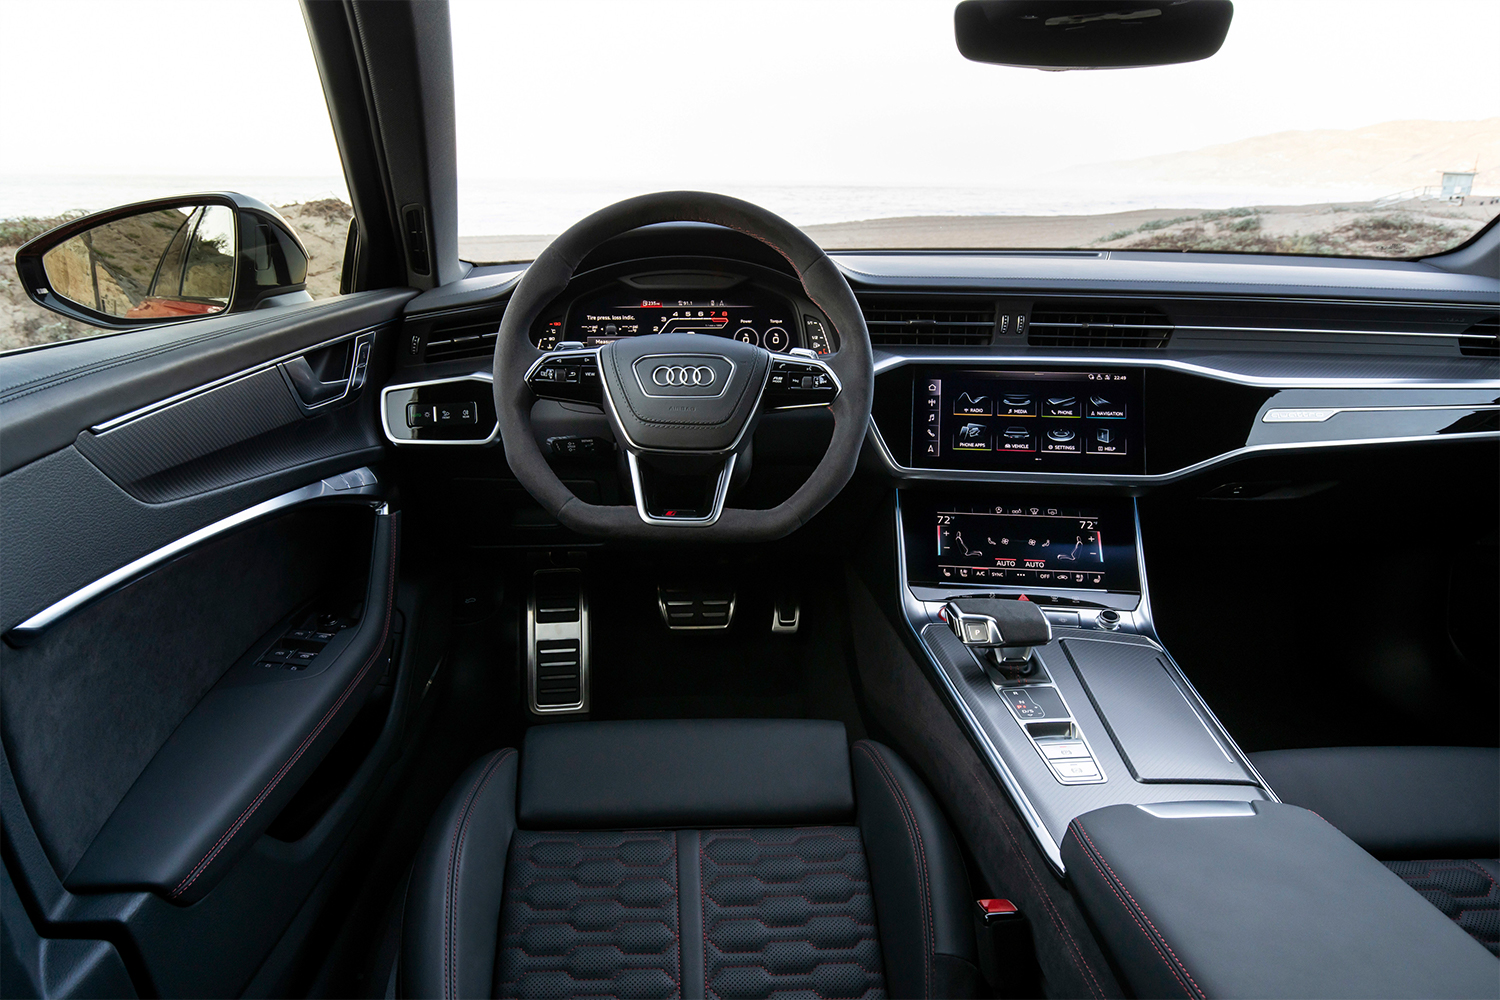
[[713, 93]]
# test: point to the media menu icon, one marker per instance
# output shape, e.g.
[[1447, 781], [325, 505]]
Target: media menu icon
[[1017, 404]]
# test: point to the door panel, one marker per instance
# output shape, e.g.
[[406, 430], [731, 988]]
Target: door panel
[[147, 749]]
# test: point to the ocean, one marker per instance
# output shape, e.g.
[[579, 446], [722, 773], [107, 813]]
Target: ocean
[[493, 206]]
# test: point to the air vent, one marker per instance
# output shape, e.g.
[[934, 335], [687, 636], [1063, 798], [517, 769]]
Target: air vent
[[472, 340], [929, 322], [1053, 326], [1482, 340]]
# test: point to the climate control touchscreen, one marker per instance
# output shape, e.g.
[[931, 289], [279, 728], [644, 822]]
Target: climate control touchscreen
[[1080, 420], [1033, 543]]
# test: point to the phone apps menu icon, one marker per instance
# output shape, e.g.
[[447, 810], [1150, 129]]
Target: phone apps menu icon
[[971, 435]]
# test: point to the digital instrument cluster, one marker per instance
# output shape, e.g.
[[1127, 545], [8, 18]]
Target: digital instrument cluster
[[1046, 419], [1030, 543], [747, 315]]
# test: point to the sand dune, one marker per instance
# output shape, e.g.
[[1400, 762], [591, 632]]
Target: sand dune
[[1378, 159]]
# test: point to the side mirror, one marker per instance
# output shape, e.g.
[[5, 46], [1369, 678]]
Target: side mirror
[[163, 261], [1090, 34]]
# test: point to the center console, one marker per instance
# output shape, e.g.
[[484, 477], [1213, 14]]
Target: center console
[[1096, 713]]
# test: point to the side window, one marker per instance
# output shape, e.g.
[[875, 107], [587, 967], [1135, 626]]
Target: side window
[[174, 263]]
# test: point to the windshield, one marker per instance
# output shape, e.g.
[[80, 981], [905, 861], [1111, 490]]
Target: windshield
[[1352, 129]]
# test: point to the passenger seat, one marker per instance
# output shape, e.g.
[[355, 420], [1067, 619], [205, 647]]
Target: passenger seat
[[722, 858], [1432, 814]]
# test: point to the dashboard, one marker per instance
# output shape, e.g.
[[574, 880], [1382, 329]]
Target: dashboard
[[714, 305]]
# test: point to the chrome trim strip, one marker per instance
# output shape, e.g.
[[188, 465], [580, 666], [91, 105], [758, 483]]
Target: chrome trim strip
[[1318, 414], [1316, 330], [357, 482], [126, 418], [1123, 479], [1198, 810], [721, 491], [385, 424], [894, 361]]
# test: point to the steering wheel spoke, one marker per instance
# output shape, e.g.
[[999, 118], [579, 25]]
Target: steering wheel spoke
[[678, 493]]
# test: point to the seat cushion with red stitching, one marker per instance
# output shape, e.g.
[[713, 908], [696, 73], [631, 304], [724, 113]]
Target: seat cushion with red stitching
[[1467, 892], [1271, 901], [785, 904]]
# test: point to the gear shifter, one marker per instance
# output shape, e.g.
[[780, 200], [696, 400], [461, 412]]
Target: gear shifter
[[1004, 632]]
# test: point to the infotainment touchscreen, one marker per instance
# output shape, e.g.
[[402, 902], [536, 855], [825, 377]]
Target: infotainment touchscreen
[[1026, 543], [1044, 419]]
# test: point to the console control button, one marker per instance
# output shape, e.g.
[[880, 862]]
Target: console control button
[[1063, 751], [1085, 768]]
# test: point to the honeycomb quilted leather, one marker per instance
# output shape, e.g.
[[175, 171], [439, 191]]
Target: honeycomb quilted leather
[[590, 914], [1463, 890], [788, 913]]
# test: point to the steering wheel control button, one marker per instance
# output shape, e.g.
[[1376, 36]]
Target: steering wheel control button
[[571, 377], [799, 383]]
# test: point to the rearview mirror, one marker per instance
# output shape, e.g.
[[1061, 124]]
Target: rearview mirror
[[1090, 34], [165, 261]]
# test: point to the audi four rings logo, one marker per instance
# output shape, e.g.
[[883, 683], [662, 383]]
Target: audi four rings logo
[[683, 375]]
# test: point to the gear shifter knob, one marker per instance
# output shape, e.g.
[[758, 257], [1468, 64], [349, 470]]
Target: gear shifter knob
[[1006, 630]]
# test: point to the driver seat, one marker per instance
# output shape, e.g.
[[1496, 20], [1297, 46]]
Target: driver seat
[[723, 858]]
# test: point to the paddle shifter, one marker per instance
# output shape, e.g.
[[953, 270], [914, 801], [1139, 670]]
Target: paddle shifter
[[1005, 631]]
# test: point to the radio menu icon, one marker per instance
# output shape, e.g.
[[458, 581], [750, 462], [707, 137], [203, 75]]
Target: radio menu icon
[[967, 405]]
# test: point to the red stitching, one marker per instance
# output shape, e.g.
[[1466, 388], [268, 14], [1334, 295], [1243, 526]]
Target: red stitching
[[1165, 943], [1135, 920], [455, 861], [255, 803], [915, 836]]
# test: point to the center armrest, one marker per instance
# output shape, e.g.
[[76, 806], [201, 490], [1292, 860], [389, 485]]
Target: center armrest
[[1260, 899]]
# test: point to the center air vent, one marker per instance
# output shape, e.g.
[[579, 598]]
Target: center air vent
[[1482, 340], [932, 322], [470, 340], [1066, 326]]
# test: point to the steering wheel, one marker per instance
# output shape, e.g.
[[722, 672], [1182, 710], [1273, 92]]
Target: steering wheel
[[683, 406]]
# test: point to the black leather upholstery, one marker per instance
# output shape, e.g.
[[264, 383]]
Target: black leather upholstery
[[1397, 802], [753, 893], [455, 889], [1273, 904], [927, 937], [1467, 892], [751, 772]]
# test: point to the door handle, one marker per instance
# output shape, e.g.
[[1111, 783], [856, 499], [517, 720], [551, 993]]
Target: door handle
[[309, 386]]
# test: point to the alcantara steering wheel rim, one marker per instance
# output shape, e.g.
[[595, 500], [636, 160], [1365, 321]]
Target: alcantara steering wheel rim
[[548, 276]]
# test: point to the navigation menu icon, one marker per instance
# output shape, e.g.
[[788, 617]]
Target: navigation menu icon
[[1104, 408]]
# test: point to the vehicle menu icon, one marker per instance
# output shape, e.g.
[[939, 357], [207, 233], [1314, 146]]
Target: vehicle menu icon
[[1014, 438]]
